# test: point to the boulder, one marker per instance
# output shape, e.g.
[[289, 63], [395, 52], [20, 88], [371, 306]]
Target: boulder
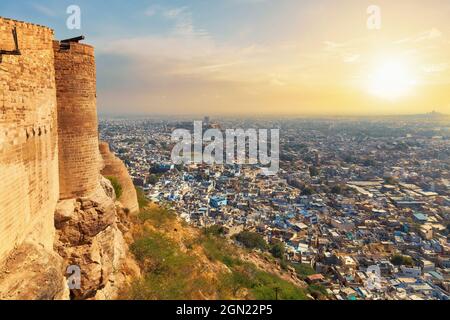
[[32, 272]]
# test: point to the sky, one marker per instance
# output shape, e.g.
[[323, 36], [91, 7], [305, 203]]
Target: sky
[[260, 57]]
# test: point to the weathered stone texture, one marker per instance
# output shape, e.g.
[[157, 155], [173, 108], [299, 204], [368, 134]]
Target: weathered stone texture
[[28, 136], [77, 120], [114, 167], [33, 272], [88, 236]]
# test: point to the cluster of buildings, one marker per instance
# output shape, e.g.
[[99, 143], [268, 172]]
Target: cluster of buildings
[[364, 203]]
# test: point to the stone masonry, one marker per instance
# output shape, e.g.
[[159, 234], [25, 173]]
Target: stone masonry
[[49, 156], [77, 120], [28, 137]]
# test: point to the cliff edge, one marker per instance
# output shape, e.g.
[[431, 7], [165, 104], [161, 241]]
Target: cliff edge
[[114, 167]]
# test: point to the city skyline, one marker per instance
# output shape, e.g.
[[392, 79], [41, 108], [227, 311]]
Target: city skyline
[[260, 56]]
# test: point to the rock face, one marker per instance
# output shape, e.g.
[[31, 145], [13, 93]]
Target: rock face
[[33, 273], [114, 167], [90, 236], [87, 236]]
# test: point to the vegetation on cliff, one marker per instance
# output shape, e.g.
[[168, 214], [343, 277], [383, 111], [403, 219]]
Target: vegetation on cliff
[[116, 185], [142, 200], [181, 262]]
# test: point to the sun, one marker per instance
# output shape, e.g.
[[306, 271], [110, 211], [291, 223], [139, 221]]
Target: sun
[[391, 80]]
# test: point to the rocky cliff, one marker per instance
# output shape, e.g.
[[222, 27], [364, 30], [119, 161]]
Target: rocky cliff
[[114, 167], [89, 236]]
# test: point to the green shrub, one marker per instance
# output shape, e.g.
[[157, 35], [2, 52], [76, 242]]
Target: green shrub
[[218, 250], [251, 240], [116, 185], [303, 270], [165, 268], [142, 199], [337, 189], [307, 191], [261, 285], [158, 216], [153, 179], [215, 230], [400, 260], [317, 291], [277, 250]]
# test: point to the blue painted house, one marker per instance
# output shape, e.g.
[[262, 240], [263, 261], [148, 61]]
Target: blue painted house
[[218, 202]]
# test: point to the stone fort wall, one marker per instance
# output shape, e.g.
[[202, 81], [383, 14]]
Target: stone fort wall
[[77, 120], [49, 147], [28, 136]]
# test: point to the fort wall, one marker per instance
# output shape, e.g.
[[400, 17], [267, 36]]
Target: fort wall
[[28, 136]]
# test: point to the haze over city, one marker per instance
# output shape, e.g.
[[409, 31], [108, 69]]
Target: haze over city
[[261, 56]]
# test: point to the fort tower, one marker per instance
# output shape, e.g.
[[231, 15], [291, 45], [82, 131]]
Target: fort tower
[[77, 119]]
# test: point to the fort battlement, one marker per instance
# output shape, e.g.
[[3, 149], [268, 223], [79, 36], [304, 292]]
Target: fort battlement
[[24, 24], [48, 130]]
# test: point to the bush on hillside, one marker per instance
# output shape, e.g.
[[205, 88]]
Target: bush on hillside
[[251, 240], [142, 199], [116, 185]]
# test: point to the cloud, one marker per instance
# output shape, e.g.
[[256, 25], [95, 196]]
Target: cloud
[[332, 46], [423, 36], [436, 68], [352, 58], [44, 10], [184, 24], [345, 51], [182, 18]]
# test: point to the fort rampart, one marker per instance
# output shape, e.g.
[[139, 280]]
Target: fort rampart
[[28, 135]]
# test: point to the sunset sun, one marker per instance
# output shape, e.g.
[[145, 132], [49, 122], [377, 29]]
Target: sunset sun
[[391, 80]]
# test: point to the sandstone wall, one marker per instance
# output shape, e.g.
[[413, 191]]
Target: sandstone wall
[[114, 167], [77, 120], [49, 151], [28, 137]]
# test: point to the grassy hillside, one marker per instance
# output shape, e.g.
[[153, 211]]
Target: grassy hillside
[[181, 262]]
